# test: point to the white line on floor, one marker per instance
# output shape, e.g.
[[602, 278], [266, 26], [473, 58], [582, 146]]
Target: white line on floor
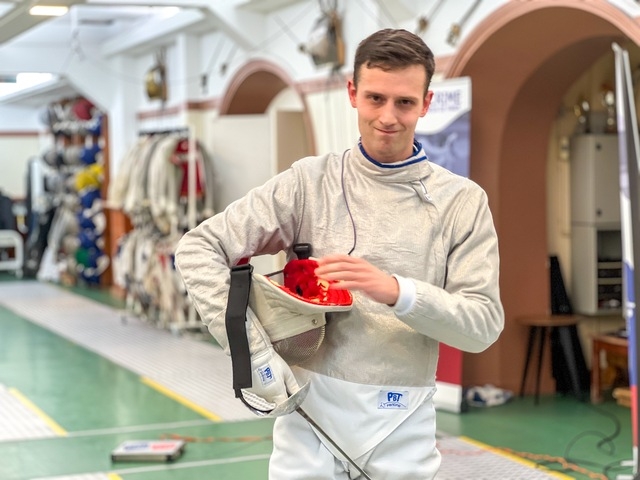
[[173, 466], [196, 370], [139, 428]]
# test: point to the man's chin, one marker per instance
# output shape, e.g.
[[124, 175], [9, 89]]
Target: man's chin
[[383, 157], [385, 153]]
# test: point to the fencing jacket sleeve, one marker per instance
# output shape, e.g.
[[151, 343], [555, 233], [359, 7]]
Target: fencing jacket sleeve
[[413, 219]]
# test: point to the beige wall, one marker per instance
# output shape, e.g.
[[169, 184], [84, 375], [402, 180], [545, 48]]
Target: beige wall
[[15, 152]]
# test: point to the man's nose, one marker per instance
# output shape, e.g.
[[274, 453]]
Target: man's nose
[[388, 114]]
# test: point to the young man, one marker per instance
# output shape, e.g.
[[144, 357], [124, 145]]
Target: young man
[[415, 245]]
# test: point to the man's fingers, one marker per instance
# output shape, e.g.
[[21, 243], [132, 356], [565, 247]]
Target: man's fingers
[[332, 264], [356, 274]]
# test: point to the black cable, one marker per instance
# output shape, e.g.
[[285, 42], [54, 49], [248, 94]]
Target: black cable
[[614, 468], [605, 440], [346, 202]]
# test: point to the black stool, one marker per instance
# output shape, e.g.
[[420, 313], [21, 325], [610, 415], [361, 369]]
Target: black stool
[[540, 326]]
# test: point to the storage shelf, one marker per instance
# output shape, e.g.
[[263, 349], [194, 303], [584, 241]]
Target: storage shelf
[[609, 264], [609, 281], [596, 242]]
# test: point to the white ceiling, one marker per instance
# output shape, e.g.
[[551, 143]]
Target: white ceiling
[[105, 17], [117, 25], [17, 25]]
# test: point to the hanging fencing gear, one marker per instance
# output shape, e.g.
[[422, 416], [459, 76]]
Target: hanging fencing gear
[[272, 326], [90, 155]]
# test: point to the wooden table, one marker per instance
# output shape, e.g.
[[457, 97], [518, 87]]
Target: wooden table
[[608, 343], [540, 327]]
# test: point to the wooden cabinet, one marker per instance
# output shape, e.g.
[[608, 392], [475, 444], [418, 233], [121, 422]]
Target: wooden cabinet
[[596, 244]]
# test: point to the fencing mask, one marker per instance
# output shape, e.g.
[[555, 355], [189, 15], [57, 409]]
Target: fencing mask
[[291, 314]]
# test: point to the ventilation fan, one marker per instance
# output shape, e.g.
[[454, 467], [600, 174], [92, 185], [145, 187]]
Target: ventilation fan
[[155, 81], [325, 44]]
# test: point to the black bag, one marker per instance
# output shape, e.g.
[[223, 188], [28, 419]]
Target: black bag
[[7, 218], [568, 348]]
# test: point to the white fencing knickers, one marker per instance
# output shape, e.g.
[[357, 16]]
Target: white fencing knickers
[[407, 453]]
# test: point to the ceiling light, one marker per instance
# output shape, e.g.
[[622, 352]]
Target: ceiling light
[[48, 10], [25, 80]]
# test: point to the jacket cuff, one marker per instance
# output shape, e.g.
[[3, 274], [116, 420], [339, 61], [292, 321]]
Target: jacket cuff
[[406, 297]]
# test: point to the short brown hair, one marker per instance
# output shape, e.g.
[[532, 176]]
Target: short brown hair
[[391, 49]]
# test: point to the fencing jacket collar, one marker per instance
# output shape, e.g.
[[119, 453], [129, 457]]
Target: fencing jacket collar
[[414, 168]]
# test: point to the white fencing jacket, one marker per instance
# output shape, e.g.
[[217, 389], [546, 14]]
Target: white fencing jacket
[[413, 219]]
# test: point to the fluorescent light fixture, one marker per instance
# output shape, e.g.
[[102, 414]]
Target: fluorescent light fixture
[[28, 79], [48, 10], [168, 12], [25, 80]]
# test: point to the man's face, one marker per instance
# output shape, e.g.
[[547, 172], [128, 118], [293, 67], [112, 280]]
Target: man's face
[[389, 105]]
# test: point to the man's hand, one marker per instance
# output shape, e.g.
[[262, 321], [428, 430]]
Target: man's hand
[[352, 273]]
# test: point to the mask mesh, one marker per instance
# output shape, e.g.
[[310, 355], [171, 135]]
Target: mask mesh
[[299, 348]]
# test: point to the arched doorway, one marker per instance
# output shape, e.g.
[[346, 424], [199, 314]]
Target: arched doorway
[[253, 89], [522, 59], [262, 128]]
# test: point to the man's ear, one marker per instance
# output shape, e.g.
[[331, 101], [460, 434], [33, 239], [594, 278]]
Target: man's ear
[[351, 88], [426, 102]]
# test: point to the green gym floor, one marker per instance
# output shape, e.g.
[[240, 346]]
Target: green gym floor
[[67, 400]]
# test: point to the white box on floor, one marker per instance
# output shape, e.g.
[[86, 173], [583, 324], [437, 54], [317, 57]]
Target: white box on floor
[[148, 451]]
